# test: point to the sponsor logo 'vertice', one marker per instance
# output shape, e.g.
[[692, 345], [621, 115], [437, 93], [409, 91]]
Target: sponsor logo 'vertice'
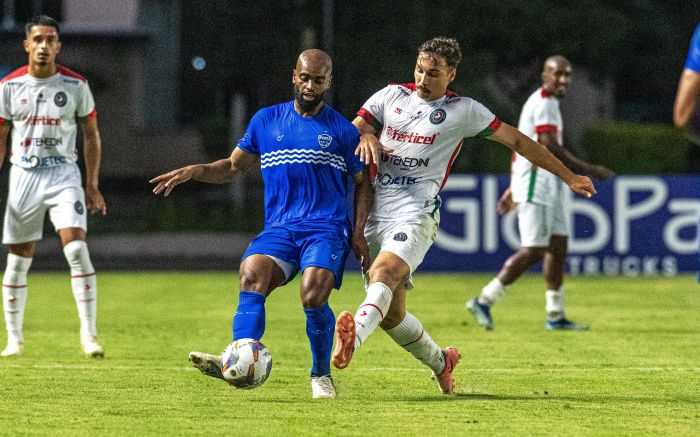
[[42, 120], [409, 137]]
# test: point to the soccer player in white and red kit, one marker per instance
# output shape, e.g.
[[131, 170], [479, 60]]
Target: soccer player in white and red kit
[[542, 207], [41, 105], [421, 127]]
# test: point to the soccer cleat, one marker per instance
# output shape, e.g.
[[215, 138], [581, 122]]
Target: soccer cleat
[[344, 340], [91, 348], [444, 380], [208, 364], [13, 349], [481, 312], [322, 387], [564, 324]]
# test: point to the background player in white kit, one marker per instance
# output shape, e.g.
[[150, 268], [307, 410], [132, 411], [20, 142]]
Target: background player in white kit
[[41, 104], [543, 219], [422, 126]]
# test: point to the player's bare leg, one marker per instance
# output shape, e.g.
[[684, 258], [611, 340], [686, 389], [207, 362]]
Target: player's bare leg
[[14, 296], [512, 269], [387, 271]]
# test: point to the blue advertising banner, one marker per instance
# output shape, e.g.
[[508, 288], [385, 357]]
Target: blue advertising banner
[[636, 225]]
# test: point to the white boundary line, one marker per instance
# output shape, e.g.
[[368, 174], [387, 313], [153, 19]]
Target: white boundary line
[[359, 369]]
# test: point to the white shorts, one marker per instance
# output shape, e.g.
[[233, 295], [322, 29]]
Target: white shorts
[[537, 223], [409, 239], [33, 191]]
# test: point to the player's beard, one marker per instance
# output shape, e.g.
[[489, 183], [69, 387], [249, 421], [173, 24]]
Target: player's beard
[[307, 105]]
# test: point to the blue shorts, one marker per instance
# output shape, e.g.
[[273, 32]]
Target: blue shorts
[[323, 245]]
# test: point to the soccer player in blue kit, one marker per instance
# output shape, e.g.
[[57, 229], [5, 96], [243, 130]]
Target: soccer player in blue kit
[[306, 152]]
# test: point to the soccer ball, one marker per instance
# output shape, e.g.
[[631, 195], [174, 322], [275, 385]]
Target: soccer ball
[[246, 363]]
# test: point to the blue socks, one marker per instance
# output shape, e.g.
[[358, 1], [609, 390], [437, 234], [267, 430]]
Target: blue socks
[[249, 321], [320, 327]]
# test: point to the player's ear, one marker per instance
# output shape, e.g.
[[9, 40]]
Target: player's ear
[[452, 74], [25, 44], [294, 76]]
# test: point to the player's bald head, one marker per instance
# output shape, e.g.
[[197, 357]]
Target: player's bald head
[[556, 75], [314, 59], [556, 62]]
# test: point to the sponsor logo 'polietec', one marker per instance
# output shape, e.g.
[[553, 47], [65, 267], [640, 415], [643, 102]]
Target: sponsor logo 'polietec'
[[42, 120], [47, 161], [409, 137]]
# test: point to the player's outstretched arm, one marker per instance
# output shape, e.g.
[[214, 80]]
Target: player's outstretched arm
[[218, 172], [369, 147], [364, 197], [550, 141], [92, 149], [687, 97], [538, 154]]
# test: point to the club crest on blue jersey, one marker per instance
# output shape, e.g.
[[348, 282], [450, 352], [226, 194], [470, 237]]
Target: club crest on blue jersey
[[324, 140], [438, 116]]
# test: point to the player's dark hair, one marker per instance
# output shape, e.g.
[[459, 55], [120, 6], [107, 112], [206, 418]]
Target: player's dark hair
[[41, 20], [446, 48]]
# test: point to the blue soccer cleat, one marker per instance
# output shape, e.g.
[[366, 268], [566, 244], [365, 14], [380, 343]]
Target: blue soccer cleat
[[564, 324], [481, 312]]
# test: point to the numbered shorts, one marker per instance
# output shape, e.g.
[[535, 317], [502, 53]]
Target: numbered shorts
[[537, 223], [409, 239], [34, 191], [294, 248]]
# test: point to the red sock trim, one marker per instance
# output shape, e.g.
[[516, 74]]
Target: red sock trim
[[83, 276]]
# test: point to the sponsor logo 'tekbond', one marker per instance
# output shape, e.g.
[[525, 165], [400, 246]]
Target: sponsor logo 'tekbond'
[[408, 137], [41, 142], [405, 162]]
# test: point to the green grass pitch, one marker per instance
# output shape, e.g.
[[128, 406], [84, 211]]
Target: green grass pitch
[[636, 372]]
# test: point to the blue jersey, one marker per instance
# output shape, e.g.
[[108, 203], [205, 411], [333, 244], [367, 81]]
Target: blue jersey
[[305, 163], [692, 62]]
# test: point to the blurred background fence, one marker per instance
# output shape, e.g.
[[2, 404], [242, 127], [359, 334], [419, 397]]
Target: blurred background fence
[[176, 81]]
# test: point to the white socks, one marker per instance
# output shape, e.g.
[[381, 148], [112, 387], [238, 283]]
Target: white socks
[[84, 286], [555, 303], [491, 292], [371, 311], [410, 335], [14, 295]]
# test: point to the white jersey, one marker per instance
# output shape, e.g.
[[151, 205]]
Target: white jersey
[[528, 183], [44, 115], [426, 137]]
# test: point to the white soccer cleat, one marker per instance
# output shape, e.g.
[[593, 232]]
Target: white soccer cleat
[[322, 387], [13, 349], [91, 348], [208, 364]]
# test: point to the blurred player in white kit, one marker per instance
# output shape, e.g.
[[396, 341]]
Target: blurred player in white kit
[[41, 105], [541, 201]]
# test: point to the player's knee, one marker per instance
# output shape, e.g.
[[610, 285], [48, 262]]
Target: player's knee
[[386, 275], [253, 280], [78, 256]]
